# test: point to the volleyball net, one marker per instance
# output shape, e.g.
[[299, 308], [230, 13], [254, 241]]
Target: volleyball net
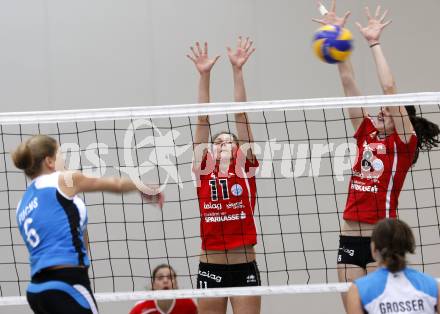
[[306, 151]]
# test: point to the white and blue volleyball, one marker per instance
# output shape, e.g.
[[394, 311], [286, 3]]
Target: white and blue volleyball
[[332, 43]]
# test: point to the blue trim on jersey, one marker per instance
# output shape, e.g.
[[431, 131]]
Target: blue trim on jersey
[[61, 286], [372, 285], [422, 282]]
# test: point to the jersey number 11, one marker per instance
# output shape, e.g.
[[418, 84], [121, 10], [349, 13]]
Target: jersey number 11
[[214, 191]]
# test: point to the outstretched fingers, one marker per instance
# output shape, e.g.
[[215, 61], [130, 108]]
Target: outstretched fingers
[[191, 58], [199, 49], [319, 21], [384, 15], [205, 48], [368, 13], [346, 16], [195, 54], [386, 24], [248, 44], [376, 15]]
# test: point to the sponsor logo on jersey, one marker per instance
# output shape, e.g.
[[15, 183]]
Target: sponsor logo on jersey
[[377, 165], [251, 278], [236, 205], [233, 217], [217, 206], [236, 190], [347, 251], [209, 275], [364, 188]]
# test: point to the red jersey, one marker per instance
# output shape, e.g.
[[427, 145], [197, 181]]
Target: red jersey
[[378, 174], [227, 202], [179, 306]]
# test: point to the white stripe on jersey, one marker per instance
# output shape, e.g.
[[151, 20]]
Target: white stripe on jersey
[[390, 183], [86, 294], [160, 310], [246, 180], [82, 211], [51, 180]]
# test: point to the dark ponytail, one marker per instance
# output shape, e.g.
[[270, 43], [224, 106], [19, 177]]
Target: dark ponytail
[[30, 155], [393, 239], [427, 132]]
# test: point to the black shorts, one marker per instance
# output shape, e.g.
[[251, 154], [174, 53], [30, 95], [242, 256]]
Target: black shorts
[[355, 251], [226, 276], [61, 291]]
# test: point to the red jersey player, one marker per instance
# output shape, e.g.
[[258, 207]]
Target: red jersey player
[[227, 192], [164, 278], [387, 148]]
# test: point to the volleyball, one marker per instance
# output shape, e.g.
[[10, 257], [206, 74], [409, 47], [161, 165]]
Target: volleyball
[[332, 43]]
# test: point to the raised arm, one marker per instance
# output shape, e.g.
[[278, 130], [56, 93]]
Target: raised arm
[[72, 183], [238, 58], [372, 33], [345, 69], [204, 66]]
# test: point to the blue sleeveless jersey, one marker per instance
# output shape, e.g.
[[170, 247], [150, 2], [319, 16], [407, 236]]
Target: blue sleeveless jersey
[[407, 291], [52, 225]]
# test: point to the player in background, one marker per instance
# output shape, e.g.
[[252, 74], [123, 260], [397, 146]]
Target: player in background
[[165, 278]]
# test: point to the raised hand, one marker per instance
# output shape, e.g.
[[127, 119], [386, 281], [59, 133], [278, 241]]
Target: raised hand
[[375, 25], [240, 56], [200, 58], [330, 17]]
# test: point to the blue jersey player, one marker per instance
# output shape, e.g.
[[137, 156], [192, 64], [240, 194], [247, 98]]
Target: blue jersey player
[[52, 222], [393, 287]]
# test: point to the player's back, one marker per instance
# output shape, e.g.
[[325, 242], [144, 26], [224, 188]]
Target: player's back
[[408, 291], [51, 225]]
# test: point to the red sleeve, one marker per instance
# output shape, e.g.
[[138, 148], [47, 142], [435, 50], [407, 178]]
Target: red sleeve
[[249, 165], [365, 128], [141, 306], [407, 149], [137, 308]]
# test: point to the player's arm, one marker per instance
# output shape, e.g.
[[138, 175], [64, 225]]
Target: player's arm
[[354, 305], [86, 240], [72, 183], [204, 66], [351, 88], [372, 33], [345, 69], [238, 59]]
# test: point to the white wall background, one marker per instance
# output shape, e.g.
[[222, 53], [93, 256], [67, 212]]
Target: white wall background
[[59, 54]]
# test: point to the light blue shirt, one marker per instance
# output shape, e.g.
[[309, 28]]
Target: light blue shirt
[[407, 291], [52, 225]]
